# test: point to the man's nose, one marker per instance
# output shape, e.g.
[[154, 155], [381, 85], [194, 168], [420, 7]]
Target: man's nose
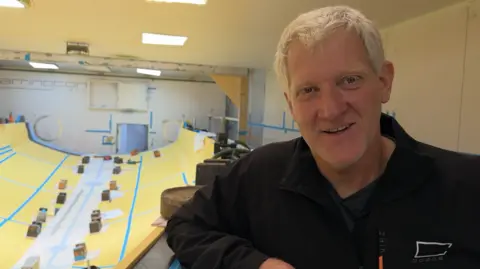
[[331, 103]]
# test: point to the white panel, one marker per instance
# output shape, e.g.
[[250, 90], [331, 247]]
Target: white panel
[[470, 124], [132, 96], [65, 98], [103, 94], [428, 55], [275, 108]]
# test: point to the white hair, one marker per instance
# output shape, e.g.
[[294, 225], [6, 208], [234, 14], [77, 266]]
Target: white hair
[[312, 27]]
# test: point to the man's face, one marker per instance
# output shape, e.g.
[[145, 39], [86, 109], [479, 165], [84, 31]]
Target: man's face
[[335, 96]]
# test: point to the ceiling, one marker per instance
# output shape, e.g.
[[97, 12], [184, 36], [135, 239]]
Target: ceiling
[[115, 71], [237, 33]]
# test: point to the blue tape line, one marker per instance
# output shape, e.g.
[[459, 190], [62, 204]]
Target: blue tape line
[[17, 222], [33, 137], [130, 214], [5, 147], [6, 151], [98, 131], [151, 120], [280, 128], [266, 126], [35, 192], [184, 177], [109, 131], [7, 158]]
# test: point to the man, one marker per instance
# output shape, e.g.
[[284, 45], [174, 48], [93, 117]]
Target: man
[[355, 191]]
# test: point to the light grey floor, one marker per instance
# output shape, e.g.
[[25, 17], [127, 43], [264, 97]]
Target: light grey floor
[[158, 256], [55, 243]]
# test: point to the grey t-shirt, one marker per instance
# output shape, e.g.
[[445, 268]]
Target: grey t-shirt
[[353, 207]]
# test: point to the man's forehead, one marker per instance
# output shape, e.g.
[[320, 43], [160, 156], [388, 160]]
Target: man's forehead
[[338, 52]]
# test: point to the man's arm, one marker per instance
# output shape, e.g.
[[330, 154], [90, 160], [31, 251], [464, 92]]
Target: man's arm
[[208, 231]]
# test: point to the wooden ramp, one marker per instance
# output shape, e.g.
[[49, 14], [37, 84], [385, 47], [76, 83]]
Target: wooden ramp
[[30, 173]]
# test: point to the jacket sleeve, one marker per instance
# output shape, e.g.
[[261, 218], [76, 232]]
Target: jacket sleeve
[[209, 231]]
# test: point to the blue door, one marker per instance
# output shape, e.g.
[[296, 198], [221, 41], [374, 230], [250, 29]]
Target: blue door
[[131, 137]]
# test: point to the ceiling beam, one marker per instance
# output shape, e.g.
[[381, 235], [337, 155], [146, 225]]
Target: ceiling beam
[[83, 60]]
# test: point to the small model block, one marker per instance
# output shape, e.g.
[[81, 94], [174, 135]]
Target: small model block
[[80, 252], [42, 216], [81, 169], [106, 195], [118, 160], [82, 245], [107, 158], [61, 198], [39, 223], [62, 184], [86, 160], [157, 154], [134, 152], [33, 230], [113, 185], [117, 170], [96, 216], [95, 226]]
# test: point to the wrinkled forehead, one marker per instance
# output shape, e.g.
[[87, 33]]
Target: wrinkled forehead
[[341, 52]]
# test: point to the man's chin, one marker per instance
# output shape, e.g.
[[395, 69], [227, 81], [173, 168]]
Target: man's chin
[[342, 161]]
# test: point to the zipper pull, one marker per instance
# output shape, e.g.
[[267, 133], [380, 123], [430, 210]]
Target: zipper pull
[[382, 248]]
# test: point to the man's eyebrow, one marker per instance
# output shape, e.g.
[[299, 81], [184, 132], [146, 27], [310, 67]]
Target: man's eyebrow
[[303, 85]]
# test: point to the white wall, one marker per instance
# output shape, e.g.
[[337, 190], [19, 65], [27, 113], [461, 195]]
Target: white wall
[[65, 99], [276, 128], [435, 94]]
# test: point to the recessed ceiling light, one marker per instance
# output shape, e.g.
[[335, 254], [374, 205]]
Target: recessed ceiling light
[[149, 72], [43, 65], [12, 3], [195, 2], [167, 40]]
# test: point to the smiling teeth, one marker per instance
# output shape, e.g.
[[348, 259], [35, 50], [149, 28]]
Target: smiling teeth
[[336, 129]]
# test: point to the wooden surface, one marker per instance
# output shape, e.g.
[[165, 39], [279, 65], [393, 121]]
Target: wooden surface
[[126, 236]]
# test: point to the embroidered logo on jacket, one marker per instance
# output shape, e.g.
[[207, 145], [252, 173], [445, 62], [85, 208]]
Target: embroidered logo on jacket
[[430, 251]]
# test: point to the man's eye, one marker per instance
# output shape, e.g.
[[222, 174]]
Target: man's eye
[[350, 80], [308, 90]]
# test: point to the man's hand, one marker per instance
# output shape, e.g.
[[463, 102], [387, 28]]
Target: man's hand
[[275, 264]]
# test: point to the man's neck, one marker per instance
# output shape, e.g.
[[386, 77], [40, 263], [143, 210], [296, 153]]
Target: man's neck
[[367, 169]]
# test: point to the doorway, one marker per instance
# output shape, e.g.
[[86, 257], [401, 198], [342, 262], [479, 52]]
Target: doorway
[[131, 137]]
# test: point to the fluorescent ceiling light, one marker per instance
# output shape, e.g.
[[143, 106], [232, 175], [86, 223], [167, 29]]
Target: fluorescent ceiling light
[[168, 40], [195, 2], [43, 66], [149, 72], [11, 3]]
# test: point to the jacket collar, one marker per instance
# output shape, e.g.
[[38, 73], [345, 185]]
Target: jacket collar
[[406, 170]]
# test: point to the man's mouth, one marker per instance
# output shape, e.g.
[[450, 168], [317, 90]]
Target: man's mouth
[[338, 130]]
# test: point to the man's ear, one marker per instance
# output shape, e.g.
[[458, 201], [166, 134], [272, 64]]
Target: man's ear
[[387, 74]]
